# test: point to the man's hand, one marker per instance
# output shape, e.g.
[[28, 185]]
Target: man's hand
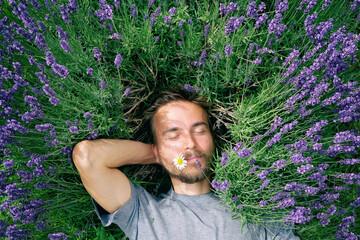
[[97, 163]]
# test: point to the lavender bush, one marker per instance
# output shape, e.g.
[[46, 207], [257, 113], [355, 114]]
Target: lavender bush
[[284, 77]]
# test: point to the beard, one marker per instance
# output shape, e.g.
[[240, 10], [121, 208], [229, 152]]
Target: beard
[[194, 177]]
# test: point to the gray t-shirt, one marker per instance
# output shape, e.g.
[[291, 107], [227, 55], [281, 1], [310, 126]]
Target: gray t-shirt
[[175, 216]]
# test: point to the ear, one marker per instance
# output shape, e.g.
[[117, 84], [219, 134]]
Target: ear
[[156, 153]]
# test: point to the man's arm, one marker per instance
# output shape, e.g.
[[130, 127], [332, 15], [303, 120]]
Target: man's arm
[[97, 162]]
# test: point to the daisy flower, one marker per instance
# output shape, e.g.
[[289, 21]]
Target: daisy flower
[[179, 161]]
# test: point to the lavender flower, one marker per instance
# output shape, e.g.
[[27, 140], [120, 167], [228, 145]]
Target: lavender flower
[[233, 24], [288, 127], [167, 19], [257, 61], [65, 45], [224, 185], [215, 185], [349, 161], [279, 164], [172, 11], [97, 54], [299, 215], [64, 14], [61, 70], [206, 30], [245, 152], [73, 129], [150, 3], [179, 43], [262, 203], [227, 10], [117, 3], [89, 71], [87, 115], [264, 184], [228, 50], [127, 91], [305, 168], [90, 125], [157, 11], [274, 140], [198, 164], [57, 236], [261, 20], [287, 202], [264, 173], [8, 163], [190, 88], [102, 85], [133, 10], [299, 158], [118, 60], [238, 146], [224, 159], [251, 10], [93, 135], [180, 23]]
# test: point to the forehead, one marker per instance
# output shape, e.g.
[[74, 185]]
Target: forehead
[[179, 113]]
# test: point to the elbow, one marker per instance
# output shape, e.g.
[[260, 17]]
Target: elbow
[[81, 154]]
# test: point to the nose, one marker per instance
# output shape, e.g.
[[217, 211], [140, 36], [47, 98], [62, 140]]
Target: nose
[[190, 142]]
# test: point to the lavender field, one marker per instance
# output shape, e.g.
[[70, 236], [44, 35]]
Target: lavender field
[[284, 77]]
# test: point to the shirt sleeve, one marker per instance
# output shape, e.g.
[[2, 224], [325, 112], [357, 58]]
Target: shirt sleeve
[[279, 233], [126, 217]]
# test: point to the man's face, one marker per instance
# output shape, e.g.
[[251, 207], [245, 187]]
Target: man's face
[[182, 127]]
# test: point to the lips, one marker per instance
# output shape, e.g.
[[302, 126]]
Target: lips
[[192, 159]]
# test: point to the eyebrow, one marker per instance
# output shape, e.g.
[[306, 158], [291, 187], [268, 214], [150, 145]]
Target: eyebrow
[[173, 129]]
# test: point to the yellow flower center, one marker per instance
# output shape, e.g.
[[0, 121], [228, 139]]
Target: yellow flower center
[[180, 161]]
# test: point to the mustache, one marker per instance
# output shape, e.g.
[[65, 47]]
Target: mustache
[[194, 153]]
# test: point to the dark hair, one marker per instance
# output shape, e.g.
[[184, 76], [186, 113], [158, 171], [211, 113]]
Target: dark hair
[[174, 95]]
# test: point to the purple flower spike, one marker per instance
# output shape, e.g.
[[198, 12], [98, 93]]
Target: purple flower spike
[[54, 101], [190, 88], [224, 185], [8, 163], [57, 236], [172, 11], [257, 61], [206, 30], [133, 10], [97, 54], [90, 71], [224, 159], [245, 152], [73, 129], [228, 50], [65, 45], [118, 60], [215, 185], [198, 164], [150, 3], [167, 19], [127, 91], [262, 203], [102, 85], [87, 115]]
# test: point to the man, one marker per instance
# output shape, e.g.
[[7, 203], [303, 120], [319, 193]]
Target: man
[[183, 145]]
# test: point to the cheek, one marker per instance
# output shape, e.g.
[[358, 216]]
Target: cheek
[[169, 149]]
